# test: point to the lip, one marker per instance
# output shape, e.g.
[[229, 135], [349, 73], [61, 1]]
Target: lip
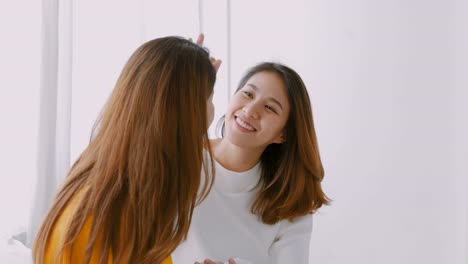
[[241, 128]]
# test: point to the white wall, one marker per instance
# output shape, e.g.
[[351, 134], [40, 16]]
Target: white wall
[[387, 106], [460, 126], [105, 34]]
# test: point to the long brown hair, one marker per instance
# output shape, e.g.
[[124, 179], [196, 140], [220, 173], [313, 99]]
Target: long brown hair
[[290, 184], [142, 168]]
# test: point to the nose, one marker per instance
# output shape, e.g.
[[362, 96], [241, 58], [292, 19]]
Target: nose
[[251, 110]]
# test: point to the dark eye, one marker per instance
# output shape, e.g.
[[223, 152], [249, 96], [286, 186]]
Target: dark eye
[[270, 108], [248, 94]]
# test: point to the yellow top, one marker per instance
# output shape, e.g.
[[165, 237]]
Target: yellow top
[[77, 250]]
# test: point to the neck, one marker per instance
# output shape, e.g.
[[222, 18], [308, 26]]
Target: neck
[[233, 157]]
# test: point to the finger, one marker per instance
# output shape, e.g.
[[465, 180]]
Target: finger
[[209, 261], [231, 261], [200, 39]]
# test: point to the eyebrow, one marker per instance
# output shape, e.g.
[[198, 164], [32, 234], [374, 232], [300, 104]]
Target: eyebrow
[[270, 98]]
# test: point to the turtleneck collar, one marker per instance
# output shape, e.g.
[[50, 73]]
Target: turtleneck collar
[[236, 182]]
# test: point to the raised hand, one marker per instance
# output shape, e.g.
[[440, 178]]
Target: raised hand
[[209, 261], [216, 63]]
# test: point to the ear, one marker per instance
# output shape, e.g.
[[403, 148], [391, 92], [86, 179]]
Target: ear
[[279, 139]]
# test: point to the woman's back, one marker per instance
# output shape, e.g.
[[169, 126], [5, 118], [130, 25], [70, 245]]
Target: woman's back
[[138, 199]]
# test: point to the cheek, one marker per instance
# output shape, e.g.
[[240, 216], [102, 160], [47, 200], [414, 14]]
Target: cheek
[[275, 129], [276, 126], [231, 108]]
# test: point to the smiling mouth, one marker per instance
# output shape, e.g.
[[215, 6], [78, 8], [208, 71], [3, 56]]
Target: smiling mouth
[[243, 124]]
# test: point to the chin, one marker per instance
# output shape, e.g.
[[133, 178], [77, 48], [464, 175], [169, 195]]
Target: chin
[[246, 141], [237, 140]]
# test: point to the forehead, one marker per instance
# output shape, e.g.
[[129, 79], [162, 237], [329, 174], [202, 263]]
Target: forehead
[[269, 83]]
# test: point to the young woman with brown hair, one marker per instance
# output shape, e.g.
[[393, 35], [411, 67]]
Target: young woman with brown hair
[[129, 198], [268, 176]]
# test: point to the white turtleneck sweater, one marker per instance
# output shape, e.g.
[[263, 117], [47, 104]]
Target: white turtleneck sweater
[[223, 227]]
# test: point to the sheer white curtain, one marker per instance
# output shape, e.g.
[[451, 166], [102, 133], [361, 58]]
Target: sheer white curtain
[[19, 90], [53, 153], [20, 30]]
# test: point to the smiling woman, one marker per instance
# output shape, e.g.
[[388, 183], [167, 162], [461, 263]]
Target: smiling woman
[[268, 176]]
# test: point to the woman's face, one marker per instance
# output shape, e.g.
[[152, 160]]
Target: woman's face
[[258, 112]]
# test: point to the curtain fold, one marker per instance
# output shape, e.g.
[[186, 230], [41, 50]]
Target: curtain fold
[[53, 152]]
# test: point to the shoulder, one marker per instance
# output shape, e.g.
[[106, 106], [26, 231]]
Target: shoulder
[[61, 225], [64, 219], [300, 225]]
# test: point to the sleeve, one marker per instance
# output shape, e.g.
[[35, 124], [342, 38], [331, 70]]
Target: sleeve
[[292, 242]]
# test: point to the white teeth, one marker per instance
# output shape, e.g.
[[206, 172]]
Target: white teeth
[[244, 125]]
